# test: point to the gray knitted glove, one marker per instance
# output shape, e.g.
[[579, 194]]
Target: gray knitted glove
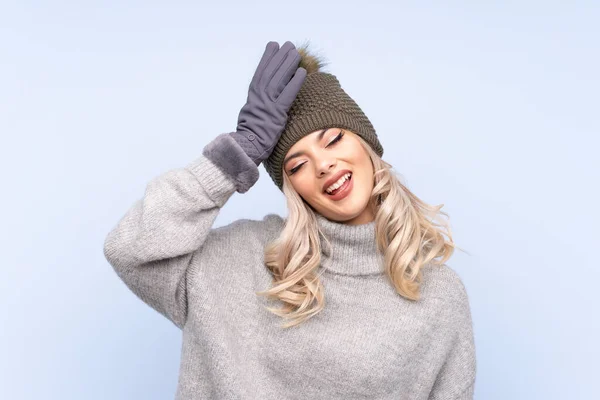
[[273, 89]]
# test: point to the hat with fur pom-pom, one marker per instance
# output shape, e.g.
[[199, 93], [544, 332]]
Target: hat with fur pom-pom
[[321, 103]]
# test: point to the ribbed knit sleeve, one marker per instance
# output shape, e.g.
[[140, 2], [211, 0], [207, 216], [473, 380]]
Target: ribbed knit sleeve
[[456, 379], [152, 246]]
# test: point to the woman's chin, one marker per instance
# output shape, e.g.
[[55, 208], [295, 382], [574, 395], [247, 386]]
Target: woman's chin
[[347, 211]]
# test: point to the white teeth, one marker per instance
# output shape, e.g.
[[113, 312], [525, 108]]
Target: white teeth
[[339, 183]]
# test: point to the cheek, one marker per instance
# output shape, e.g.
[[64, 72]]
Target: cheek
[[359, 157], [362, 162], [305, 188]]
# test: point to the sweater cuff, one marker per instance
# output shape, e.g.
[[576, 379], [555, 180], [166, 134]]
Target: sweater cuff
[[218, 186], [233, 161]]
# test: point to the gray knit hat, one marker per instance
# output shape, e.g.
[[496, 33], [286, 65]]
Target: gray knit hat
[[321, 103]]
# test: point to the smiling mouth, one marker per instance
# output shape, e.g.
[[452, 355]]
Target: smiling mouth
[[346, 183]]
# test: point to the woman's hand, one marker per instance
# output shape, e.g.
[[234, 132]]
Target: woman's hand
[[273, 89]]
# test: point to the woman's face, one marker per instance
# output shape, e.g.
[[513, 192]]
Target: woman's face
[[322, 155]]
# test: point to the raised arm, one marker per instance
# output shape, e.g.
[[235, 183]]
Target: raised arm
[[152, 245]]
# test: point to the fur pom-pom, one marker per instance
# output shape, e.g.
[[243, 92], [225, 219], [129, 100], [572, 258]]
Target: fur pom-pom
[[310, 62]]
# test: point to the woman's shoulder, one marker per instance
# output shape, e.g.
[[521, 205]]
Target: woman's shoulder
[[263, 229], [443, 282]]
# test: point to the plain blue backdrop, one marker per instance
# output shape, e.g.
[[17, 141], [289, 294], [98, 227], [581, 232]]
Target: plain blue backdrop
[[490, 108]]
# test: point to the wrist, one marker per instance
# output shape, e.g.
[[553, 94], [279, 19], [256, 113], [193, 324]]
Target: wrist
[[230, 157], [247, 141]]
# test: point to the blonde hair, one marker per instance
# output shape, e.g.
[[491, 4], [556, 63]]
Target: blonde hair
[[406, 233]]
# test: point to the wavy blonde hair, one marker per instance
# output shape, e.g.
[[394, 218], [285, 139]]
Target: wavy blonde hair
[[406, 233]]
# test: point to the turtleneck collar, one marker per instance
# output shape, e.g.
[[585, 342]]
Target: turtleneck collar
[[354, 248]]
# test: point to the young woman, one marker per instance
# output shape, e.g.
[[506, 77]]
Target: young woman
[[357, 268]]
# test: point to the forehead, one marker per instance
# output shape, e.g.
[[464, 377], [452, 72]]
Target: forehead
[[297, 149], [311, 138]]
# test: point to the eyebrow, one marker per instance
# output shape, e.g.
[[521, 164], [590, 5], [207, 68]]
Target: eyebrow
[[300, 153]]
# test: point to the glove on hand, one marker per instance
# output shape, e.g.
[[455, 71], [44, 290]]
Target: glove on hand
[[272, 91]]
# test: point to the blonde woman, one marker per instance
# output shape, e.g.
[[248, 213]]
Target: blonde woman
[[348, 297]]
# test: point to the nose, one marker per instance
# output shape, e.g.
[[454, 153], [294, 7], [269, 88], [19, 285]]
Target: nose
[[325, 164]]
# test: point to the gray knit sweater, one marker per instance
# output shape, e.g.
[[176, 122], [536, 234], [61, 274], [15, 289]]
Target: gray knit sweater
[[368, 342]]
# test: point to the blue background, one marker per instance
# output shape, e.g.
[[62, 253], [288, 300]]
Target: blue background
[[490, 108]]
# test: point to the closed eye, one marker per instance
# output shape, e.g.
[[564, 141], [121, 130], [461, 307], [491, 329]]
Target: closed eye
[[334, 141], [337, 139]]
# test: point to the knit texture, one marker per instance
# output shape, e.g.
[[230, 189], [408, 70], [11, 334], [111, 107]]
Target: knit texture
[[321, 103], [368, 342]]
